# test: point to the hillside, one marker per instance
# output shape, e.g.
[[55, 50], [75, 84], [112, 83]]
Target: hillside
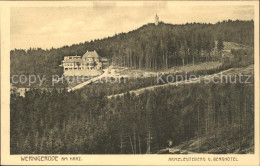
[[149, 47], [201, 118]]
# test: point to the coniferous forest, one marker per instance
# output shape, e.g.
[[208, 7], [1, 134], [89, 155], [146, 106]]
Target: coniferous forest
[[149, 47], [217, 117]]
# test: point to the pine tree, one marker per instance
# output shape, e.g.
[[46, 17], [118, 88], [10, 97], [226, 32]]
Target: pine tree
[[220, 45]]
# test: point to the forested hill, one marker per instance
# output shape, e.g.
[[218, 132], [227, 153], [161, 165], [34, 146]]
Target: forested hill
[[150, 46]]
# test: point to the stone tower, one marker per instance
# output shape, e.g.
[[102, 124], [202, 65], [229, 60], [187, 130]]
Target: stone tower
[[156, 20]]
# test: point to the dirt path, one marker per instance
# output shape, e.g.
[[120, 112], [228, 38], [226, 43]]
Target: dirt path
[[193, 80], [174, 151]]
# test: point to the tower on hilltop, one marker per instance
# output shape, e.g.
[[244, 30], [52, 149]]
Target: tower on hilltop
[[156, 20]]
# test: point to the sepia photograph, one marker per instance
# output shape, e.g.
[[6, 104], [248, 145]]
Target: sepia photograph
[[149, 78]]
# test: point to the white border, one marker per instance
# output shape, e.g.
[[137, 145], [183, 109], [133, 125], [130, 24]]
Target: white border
[[7, 159]]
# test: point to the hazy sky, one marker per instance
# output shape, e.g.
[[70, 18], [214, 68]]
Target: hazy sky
[[47, 27]]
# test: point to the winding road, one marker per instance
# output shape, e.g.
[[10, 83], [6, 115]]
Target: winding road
[[105, 74]]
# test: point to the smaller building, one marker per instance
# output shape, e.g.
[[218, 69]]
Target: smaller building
[[105, 62]]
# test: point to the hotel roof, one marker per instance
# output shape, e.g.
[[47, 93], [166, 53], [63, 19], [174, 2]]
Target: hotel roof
[[90, 54]]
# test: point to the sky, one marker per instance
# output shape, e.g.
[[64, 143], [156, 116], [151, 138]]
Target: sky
[[46, 27]]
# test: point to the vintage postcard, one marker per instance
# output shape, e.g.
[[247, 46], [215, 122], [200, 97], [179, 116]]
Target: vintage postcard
[[130, 83]]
